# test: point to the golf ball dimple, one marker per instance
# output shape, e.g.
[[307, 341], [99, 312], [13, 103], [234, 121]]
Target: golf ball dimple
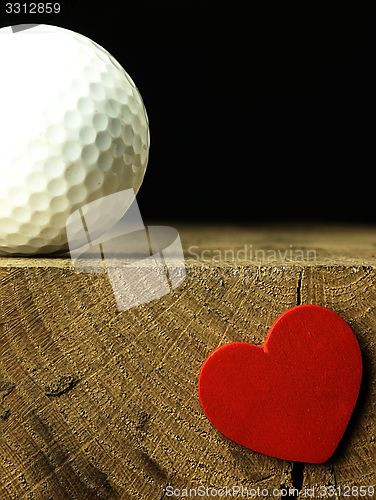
[[73, 129]]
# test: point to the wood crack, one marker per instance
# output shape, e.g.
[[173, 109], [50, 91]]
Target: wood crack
[[297, 473], [298, 289]]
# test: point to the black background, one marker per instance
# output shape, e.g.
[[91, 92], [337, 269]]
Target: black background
[[258, 111]]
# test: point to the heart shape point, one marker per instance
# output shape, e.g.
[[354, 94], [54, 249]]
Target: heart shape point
[[293, 396]]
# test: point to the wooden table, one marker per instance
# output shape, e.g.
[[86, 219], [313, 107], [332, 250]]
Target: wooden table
[[101, 403]]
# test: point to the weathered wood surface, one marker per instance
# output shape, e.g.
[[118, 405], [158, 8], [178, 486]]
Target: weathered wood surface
[[101, 404]]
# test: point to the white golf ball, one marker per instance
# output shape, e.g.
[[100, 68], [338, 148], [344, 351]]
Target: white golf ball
[[73, 129]]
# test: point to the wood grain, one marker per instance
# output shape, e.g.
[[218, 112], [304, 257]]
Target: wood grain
[[101, 403]]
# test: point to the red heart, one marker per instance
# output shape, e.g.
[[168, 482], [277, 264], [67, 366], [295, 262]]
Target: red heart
[[293, 396]]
